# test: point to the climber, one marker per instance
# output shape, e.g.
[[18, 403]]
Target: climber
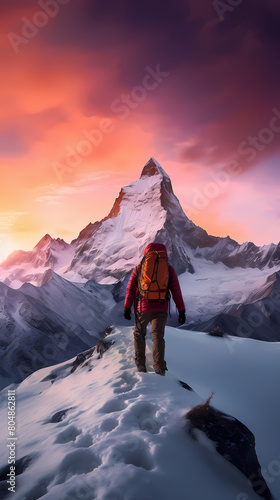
[[149, 288]]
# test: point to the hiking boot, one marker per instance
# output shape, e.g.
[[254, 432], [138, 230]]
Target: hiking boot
[[160, 371], [141, 368]]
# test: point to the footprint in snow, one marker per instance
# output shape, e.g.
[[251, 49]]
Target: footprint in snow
[[142, 415], [109, 424], [84, 441], [122, 350], [77, 462], [126, 377], [122, 390], [69, 434], [134, 451], [113, 405], [124, 383]]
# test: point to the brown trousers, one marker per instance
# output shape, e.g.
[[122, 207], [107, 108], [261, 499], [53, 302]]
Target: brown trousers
[[158, 322]]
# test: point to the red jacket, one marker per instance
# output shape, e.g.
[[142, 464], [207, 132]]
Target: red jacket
[[144, 305]]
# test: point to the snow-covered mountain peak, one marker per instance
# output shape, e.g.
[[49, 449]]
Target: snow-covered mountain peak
[[152, 167], [145, 211], [114, 245], [150, 183], [30, 266], [48, 242]]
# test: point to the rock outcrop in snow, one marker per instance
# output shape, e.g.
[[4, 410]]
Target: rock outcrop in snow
[[232, 439]]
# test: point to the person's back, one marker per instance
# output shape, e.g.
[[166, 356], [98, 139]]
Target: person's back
[[149, 288]]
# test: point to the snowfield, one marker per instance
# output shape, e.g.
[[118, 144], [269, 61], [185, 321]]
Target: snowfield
[[106, 432], [214, 288]]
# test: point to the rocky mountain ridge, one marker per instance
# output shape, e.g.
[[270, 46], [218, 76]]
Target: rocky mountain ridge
[[146, 210]]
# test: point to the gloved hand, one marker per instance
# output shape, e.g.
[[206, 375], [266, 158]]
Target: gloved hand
[[182, 317], [127, 313]]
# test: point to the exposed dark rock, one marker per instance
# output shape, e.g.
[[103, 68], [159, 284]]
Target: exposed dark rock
[[116, 207], [20, 466], [234, 441], [108, 330], [102, 347], [59, 415], [150, 169], [87, 232], [83, 357], [186, 386], [217, 332]]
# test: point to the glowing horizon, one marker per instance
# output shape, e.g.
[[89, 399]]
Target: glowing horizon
[[90, 93]]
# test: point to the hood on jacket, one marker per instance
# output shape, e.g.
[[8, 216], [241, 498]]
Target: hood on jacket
[[155, 247]]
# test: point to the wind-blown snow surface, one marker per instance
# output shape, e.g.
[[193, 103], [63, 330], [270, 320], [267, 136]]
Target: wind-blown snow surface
[[124, 437]]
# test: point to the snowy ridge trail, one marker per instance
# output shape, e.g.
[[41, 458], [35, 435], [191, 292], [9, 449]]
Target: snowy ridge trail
[[102, 431]]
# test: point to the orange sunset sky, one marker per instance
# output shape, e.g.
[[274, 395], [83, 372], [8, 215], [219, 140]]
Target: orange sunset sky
[[91, 89]]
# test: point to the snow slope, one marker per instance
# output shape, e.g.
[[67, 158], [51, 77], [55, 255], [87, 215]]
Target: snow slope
[[214, 288], [106, 432]]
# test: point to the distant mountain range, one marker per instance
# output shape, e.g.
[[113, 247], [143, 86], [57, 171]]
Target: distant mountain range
[[77, 289], [145, 210]]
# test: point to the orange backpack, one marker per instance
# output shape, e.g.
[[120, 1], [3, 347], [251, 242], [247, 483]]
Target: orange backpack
[[154, 276]]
